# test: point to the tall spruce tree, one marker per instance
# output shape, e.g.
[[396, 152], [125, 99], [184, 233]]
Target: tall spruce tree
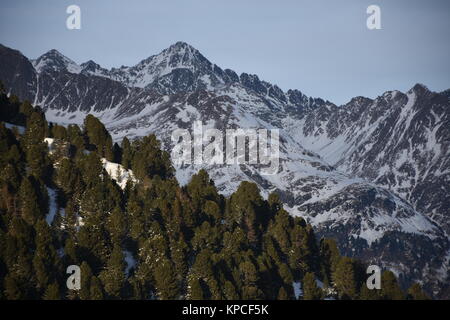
[[166, 282], [390, 288], [345, 279], [310, 289]]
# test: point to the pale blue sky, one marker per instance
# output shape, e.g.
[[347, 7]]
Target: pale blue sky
[[322, 48]]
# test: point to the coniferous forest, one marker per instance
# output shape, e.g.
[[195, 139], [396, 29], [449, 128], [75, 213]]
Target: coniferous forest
[[148, 237]]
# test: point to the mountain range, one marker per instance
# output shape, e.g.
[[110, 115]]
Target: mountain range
[[373, 173]]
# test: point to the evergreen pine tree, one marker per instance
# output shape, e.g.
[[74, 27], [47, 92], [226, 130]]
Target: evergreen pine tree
[[99, 137], [96, 291], [85, 281], [368, 294], [230, 292], [310, 289], [415, 292], [282, 294], [166, 283], [52, 292], [344, 279], [390, 289], [13, 290], [195, 290], [250, 290], [126, 153], [30, 207], [113, 277]]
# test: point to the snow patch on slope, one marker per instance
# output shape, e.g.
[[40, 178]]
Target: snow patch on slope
[[50, 143], [373, 224], [52, 206], [10, 126], [129, 259], [118, 173]]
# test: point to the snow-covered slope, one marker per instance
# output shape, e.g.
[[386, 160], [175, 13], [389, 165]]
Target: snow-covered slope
[[118, 173], [53, 60], [399, 141], [11, 126]]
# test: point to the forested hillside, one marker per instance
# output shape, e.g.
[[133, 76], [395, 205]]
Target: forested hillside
[[137, 234]]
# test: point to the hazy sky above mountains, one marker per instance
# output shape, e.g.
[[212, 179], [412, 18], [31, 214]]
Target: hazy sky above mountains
[[322, 48]]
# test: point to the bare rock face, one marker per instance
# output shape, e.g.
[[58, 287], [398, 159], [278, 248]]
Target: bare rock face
[[373, 173], [17, 73]]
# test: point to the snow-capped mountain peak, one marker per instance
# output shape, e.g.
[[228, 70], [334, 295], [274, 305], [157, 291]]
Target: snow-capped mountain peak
[[90, 65], [55, 61], [93, 68], [180, 67]]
